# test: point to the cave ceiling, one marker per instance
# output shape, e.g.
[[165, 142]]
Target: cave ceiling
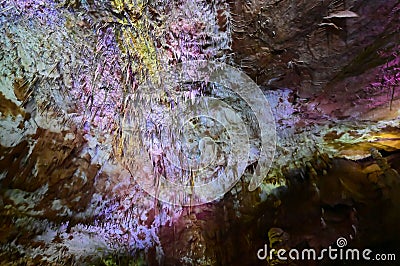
[[74, 86]]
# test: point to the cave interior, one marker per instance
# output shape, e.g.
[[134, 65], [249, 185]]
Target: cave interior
[[86, 131]]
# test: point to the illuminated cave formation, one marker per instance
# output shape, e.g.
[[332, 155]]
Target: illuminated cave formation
[[86, 130]]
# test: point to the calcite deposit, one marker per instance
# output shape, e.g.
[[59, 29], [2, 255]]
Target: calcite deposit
[[72, 71]]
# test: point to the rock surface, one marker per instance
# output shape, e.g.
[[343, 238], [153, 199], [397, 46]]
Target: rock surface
[[329, 69]]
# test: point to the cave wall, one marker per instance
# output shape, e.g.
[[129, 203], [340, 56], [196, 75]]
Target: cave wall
[[330, 70]]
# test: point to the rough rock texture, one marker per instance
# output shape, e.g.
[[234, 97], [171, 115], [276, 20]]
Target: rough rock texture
[[330, 70], [310, 46]]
